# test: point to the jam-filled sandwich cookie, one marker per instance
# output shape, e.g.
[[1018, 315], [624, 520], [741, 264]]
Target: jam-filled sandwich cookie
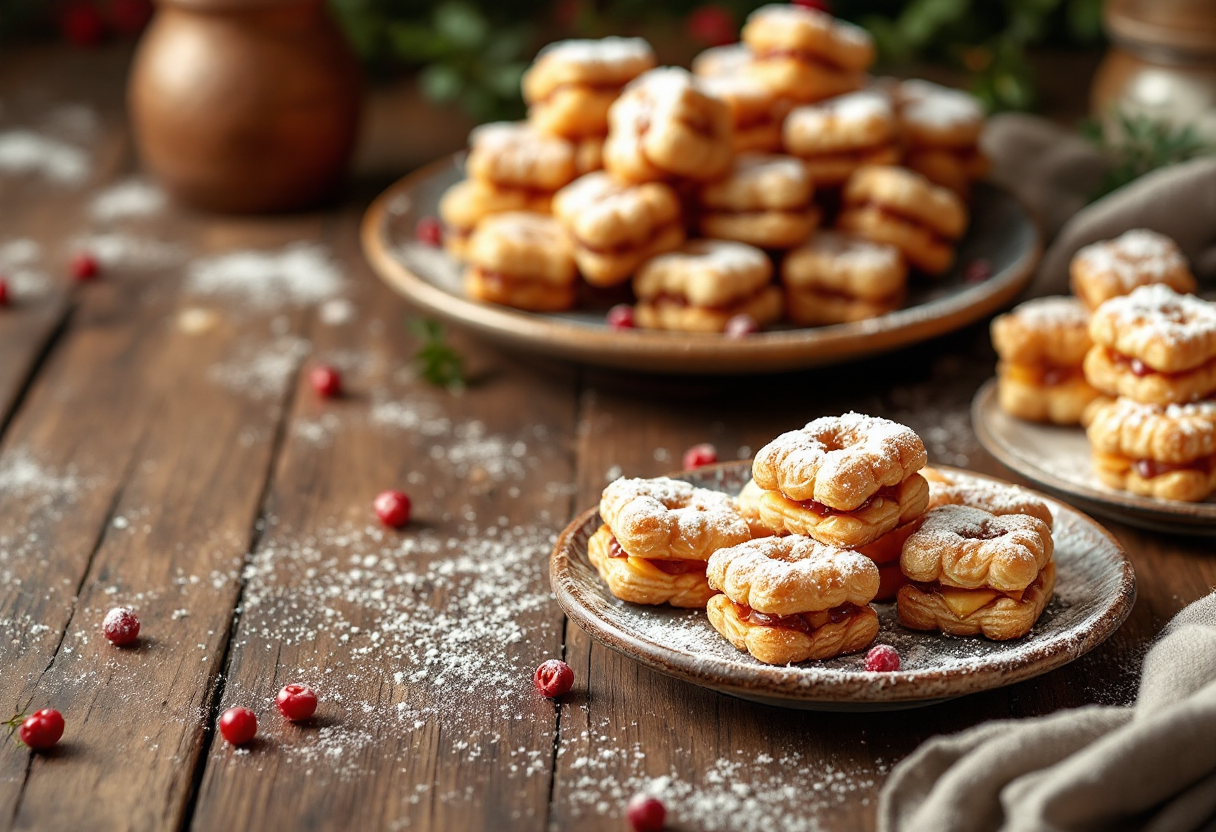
[[839, 278], [704, 284], [665, 126], [1155, 346], [843, 480], [766, 200], [616, 226], [904, 209], [837, 136], [993, 497], [972, 572], [804, 54], [941, 129], [656, 539], [515, 155], [572, 83], [756, 112], [521, 260], [723, 61], [1164, 452], [791, 599], [464, 205], [1042, 345], [1139, 257]]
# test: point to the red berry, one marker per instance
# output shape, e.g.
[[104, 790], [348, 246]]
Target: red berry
[[85, 267], [297, 702], [393, 508], [699, 456], [553, 678], [646, 813], [121, 626], [818, 5], [81, 25], [977, 271], [129, 17], [326, 381], [238, 725], [41, 729], [741, 326], [429, 231], [3, 292], [621, 317], [712, 26], [882, 658]]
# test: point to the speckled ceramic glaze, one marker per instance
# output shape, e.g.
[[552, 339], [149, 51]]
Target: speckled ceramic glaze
[[1057, 459], [1001, 233], [1095, 590]]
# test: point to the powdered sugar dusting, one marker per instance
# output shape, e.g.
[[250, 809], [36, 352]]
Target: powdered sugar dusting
[[127, 199], [1133, 257], [299, 274], [1052, 311], [30, 152], [20, 265], [601, 52], [262, 371], [927, 104]]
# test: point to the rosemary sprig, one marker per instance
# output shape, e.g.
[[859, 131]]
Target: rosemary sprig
[[438, 362], [1138, 144]]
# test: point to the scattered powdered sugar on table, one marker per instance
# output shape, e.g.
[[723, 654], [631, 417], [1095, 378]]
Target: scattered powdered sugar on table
[[299, 274], [19, 264], [129, 198], [22, 476], [29, 152], [262, 371], [129, 250]]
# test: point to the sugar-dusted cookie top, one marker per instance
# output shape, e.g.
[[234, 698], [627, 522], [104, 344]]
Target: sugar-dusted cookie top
[[1139, 257], [606, 213], [1176, 433], [969, 548], [993, 497], [836, 261], [839, 461], [1052, 330], [513, 154], [910, 195], [790, 575], [705, 273], [1165, 330], [722, 61], [791, 28], [469, 201], [857, 120], [758, 182], [605, 62], [670, 519], [525, 245], [931, 115]]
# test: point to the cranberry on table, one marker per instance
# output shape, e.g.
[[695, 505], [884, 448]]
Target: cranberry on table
[[646, 813], [882, 658], [41, 729], [699, 456], [326, 381], [297, 702], [553, 678], [393, 508], [121, 626], [85, 267], [741, 326], [977, 271], [238, 725], [621, 317], [429, 231]]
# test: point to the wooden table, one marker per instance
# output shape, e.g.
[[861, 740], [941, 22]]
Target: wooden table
[[160, 447]]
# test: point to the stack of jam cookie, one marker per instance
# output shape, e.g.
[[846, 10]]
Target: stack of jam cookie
[[701, 196], [838, 515], [1132, 357]]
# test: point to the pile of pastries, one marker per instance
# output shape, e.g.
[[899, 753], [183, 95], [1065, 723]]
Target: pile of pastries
[[704, 192], [1132, 357], [837, 515]]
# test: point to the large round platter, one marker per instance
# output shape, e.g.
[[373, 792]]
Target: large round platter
[[1001, 232], [1057, 459], [1095, 591]]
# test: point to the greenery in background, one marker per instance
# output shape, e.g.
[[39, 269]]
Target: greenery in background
[[1138, 145], [438, 362], [473, 53]]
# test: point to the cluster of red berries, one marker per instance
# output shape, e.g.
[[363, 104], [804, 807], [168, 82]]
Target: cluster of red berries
[[296, 702]]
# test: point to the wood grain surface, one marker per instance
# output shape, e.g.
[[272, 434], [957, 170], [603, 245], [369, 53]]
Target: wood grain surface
[[160, 447]]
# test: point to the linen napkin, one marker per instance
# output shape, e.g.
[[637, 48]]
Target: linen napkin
[[1148, 767], [1054, 171]]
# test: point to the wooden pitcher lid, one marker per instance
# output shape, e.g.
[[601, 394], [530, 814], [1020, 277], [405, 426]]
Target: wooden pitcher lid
[[1174, 25]]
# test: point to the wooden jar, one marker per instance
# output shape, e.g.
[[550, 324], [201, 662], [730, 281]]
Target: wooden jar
[[245, 105], [1161, 64]]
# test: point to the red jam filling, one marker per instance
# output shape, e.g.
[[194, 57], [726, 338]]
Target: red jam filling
[[1149, 468], [895, 214], [671, 567], [890, 492], [799, 621], [1139, 369]]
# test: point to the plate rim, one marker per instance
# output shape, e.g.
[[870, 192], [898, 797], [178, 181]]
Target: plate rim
[[683, 352], [901, 688], [1147, 508]]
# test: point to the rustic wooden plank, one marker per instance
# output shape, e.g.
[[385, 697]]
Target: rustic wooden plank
[[722, 763], [421, 643]]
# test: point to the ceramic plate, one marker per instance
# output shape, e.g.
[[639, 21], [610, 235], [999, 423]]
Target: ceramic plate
[[1001, 232], [1095, 590], [1057, 460]]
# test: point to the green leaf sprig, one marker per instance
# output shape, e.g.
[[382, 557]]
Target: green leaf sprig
[[438, 362], [1138, 144]]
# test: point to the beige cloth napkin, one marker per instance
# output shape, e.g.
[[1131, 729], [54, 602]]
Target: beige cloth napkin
[[1149, 767], [1054, 171]]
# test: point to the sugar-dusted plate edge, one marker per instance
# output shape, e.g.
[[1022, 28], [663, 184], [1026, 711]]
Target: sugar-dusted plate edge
[[667, 352], [1167, 516], [835, 689]]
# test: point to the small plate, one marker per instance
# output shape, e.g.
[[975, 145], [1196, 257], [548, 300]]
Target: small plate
[[1057, 459], [1001, 232], [1095, 590]]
